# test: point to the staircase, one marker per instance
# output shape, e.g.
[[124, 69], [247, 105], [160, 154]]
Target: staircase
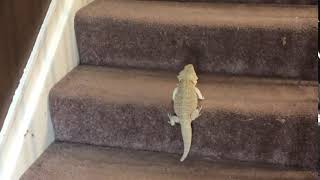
[[257, 68]]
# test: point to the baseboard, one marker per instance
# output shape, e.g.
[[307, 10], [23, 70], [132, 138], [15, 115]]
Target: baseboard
[[27, 130]]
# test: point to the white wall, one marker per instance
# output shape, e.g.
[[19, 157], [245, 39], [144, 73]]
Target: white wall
[[27, 130]]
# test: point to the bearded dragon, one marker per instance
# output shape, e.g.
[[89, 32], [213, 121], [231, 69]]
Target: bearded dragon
[[185, 103]]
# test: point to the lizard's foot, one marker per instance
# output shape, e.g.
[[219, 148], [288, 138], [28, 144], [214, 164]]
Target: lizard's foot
[[173, 119], [196, 113]]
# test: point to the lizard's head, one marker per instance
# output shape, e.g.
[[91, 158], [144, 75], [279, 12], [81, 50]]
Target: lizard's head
[[188, 73]]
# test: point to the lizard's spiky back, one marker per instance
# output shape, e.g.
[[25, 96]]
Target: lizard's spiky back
[[186, 100]]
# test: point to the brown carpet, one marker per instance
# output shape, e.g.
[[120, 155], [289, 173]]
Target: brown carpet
[[249, 119], [238, 39], [80, 162]]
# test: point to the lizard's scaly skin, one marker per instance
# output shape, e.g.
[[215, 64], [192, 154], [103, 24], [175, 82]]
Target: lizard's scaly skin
[[185, 100]]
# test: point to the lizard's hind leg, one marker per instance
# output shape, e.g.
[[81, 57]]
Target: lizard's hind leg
[[173, 119], [196, 113]]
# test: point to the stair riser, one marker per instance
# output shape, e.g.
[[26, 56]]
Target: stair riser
[[306, 2], [64, 161], [216, 134], [270, 52]]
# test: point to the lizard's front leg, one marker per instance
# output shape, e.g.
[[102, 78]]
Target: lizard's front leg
[[200, 96], [174, 93], [173, 119]]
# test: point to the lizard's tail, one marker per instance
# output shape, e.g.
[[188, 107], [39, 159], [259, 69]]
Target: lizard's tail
[[186, 131]]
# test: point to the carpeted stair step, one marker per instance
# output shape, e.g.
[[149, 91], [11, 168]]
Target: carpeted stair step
[[300, 2], [239, 39], [244, 119], [63, 161]]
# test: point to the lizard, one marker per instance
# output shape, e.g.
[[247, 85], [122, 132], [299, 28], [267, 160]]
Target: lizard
[[185, 104]]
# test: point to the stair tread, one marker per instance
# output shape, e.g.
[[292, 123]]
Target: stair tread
[[204, 14], [236, 39], [243, 118], [224, 93], [74, 161]]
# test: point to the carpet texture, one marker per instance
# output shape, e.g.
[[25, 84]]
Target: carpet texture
[[236, 39], [64, 161], [244, 119]]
